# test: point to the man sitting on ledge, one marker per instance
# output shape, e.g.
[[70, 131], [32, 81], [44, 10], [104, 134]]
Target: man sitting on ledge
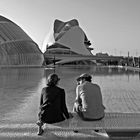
[[88, 103]]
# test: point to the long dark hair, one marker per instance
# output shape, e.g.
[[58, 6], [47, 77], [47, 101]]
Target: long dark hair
[[52, 80]]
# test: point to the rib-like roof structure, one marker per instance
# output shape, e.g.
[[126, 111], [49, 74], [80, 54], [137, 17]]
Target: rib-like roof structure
[[16, 47]]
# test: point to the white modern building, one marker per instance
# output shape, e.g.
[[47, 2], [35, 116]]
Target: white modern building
[[69, 38]]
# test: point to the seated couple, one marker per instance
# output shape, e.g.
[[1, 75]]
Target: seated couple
[[88, 103]]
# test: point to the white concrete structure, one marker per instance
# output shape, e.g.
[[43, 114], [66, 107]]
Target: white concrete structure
[[16, 47], [70, 35]]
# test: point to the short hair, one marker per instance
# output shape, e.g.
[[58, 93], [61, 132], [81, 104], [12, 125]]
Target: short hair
[[87, 79], [52, 80], [85, 76]]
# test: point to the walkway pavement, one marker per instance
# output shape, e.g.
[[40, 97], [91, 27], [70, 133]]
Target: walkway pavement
[[29, 132]]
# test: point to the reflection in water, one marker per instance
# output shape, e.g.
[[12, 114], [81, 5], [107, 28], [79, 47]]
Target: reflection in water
[[16, 87], [20, 89]]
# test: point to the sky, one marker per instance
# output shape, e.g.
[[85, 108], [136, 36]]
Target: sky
[[112, 26]]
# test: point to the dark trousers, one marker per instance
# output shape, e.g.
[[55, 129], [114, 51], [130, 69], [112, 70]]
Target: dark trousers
[[45, 117]]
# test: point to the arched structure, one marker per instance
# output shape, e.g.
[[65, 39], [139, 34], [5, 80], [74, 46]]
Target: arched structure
[[69, 39], [16, 47]]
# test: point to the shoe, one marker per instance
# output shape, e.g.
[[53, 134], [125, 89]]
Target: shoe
[[96, 130], [75, 131], [40, 132]]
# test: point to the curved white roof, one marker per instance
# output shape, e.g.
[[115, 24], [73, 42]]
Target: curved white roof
[[16, 47], [74, 39]]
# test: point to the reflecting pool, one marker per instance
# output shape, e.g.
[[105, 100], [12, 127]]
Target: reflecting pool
[[20, 89]]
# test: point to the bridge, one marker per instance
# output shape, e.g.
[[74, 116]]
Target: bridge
[[64, 58]]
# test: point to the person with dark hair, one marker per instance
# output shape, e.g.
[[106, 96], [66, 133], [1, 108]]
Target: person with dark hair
[[88, 103], [52, 103]]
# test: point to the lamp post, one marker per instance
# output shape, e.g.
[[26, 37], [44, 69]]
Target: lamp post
[[128, 59], [139, 61], [54, 63]]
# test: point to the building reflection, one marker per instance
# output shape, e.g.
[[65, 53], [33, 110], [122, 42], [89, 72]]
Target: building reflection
[[15, 86]]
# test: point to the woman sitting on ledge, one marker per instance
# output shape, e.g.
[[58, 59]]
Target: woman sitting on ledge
[[52, 104]]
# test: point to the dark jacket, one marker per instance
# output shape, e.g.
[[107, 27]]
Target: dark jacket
[[52, 105]]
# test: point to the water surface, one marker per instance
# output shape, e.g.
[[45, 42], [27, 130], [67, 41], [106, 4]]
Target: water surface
[[20, 89]]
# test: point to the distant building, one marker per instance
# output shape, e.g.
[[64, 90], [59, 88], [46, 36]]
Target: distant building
[[102, 54], [69, 38], [16, 47]]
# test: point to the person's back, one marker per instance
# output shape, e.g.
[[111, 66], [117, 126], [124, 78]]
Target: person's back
[[52, 103], [91, 100], [88, 102]]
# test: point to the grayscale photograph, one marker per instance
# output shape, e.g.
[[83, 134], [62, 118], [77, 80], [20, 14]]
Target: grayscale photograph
[[70, 69]]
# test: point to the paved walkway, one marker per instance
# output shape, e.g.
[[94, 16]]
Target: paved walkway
[[29, 132]]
